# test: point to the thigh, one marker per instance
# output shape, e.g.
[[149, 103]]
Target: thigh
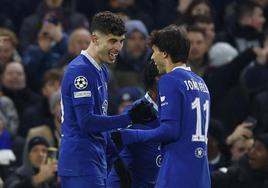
[[82, 182]]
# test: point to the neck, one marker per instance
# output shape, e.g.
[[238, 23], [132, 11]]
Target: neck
[[91, 50], [171, 66]]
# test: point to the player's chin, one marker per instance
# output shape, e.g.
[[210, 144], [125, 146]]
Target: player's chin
[[111, 61]]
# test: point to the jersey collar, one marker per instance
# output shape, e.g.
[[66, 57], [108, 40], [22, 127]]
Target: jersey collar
[[147, 96], [92, 61], [182, 67]]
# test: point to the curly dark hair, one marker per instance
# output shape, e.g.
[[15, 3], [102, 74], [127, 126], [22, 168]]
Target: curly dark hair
[[172, 40], [107, 22]]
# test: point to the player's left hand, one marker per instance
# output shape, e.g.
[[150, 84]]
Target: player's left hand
[[142, 112]]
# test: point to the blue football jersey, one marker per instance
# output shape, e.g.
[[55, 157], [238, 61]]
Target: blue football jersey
[[142, 159], [83, 152], [184, 104], [184, 98]]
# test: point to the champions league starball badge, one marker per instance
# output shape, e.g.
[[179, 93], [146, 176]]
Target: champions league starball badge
[[80, 82]]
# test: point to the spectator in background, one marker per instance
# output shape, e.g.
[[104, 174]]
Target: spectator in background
[[195, 8], [216, 149], [251, 172], [221, 53], [228, 93], [6, 153], [134, 55], [55, 110], [255, 82], [130, 10], [6, 22], [8, 44], [264, 5], [126, 96], [198, 58], [14, 86], [9, 110], [52, 131], [78, 40], [5, 139], [240, 141], [246, 32], [206, 23], [59, 12], [40, 114], [52, 44], [36, 170]]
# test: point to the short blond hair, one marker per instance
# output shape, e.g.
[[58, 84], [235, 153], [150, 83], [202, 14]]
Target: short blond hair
[[4, 32]]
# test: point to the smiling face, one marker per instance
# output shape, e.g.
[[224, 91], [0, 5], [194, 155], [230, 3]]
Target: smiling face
[[14, 76], [107, 46], [159, 59]]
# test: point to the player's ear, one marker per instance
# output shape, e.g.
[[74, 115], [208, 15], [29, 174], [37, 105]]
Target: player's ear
[[94, 38], [165, 54]]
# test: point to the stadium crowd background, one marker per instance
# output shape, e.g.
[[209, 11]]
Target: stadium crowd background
[[38, 38]]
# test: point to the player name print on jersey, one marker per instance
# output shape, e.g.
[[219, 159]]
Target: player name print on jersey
[[194, 85]]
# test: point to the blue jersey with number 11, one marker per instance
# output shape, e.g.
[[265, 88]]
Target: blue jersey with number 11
[[184, 103], [185, 100]]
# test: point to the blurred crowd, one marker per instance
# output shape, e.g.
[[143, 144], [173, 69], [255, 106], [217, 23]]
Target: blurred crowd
[[229, 50]]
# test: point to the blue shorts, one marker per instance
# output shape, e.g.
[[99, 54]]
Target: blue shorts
[[82, 182]]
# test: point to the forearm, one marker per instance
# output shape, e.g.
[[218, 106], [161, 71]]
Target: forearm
[[167, 132], [90, 122]]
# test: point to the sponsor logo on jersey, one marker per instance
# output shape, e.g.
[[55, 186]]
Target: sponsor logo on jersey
[[80, 94], [163, 100]]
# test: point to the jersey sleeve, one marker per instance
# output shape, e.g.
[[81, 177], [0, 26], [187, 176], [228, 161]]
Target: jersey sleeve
[[82, 87], [171, 105], [170, 99]]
